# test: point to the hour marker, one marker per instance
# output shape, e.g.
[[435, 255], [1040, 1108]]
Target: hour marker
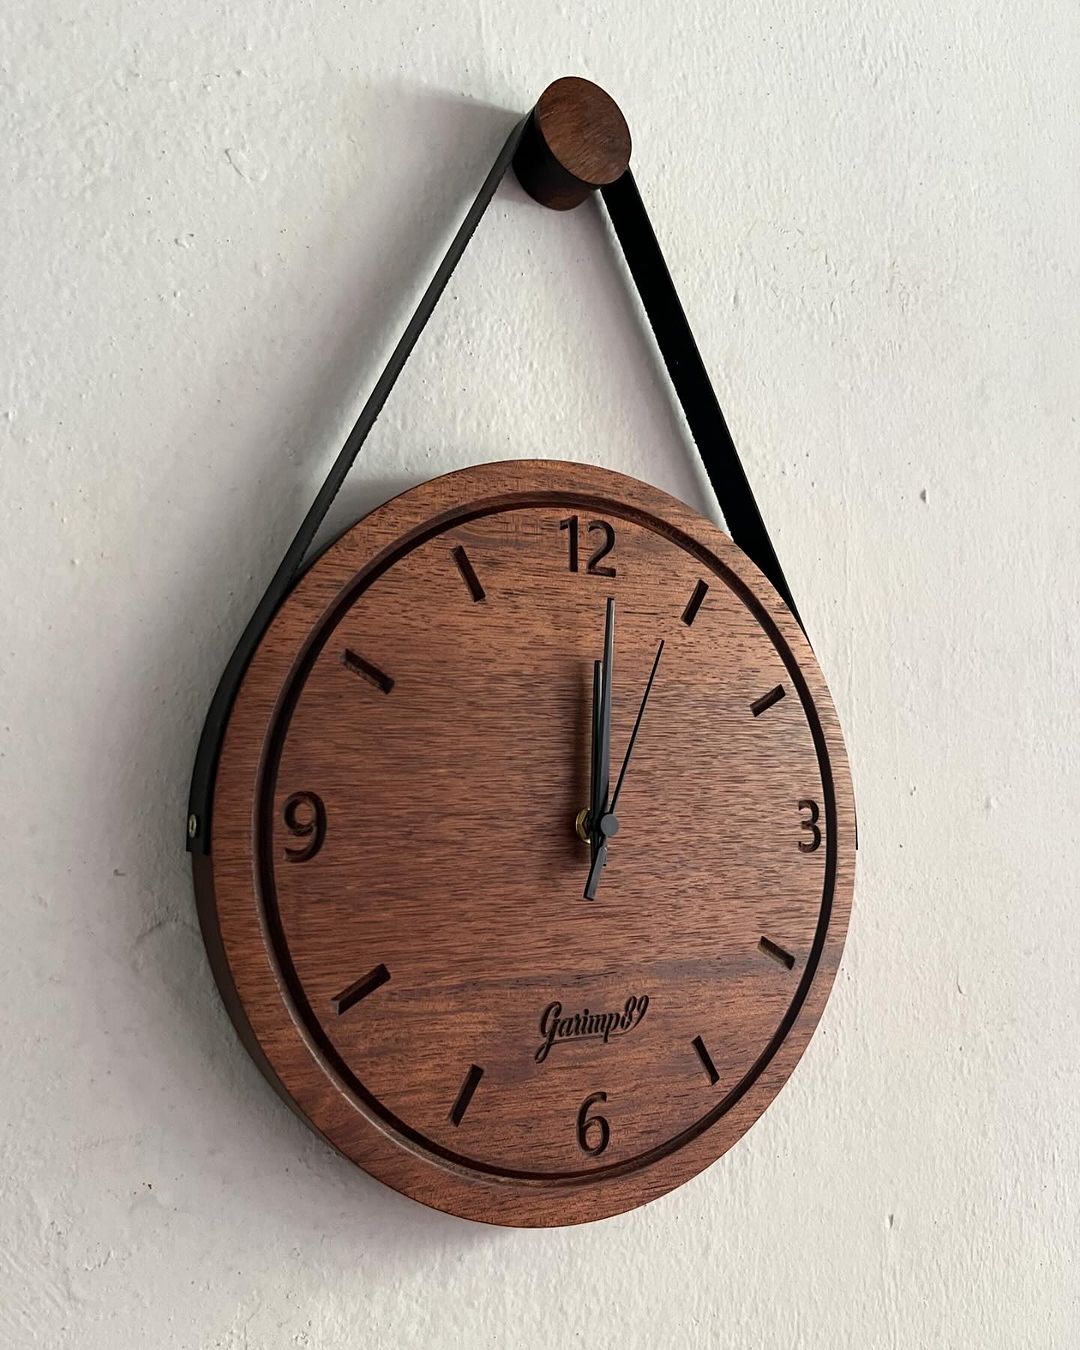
[[351, 661], [364, 986], [472, 1078], [469, 576], [706, 1060], [777, 953], [689, 614], [765, 702]]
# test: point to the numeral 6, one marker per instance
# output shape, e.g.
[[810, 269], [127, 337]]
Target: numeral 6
[[596, 1125]]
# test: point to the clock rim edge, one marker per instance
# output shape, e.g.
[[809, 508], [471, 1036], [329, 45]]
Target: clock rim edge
[[381, 1153]]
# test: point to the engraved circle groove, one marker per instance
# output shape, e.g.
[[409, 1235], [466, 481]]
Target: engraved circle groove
[[330, 1059]]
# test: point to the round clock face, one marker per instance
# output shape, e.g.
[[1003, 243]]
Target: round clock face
[[483, 975]]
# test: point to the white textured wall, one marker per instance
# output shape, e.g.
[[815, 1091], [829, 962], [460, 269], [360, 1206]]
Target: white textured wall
[[214, 220]]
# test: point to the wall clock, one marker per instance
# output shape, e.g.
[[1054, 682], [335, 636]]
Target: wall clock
[[522, 828]]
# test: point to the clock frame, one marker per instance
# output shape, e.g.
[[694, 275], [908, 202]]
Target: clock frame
[[433, 1076]]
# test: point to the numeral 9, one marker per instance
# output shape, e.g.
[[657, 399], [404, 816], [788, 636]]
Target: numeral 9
[[305, 818]]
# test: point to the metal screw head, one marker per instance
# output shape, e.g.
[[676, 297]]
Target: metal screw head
[[609, 825], [192, 826]]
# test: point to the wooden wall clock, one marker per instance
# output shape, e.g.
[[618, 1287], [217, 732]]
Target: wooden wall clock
[[522, 829]]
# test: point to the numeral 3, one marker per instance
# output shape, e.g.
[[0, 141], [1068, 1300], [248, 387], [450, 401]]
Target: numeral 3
[[810, 824]]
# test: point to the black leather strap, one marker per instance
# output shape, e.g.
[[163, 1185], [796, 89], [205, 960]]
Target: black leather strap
[[688, 375], [691, 381]]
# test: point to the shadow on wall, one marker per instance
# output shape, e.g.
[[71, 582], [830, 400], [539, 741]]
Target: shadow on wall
[[299, 1176]]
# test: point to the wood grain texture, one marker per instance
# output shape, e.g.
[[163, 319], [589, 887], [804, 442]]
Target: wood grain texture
[[576, 141], [394, 900]]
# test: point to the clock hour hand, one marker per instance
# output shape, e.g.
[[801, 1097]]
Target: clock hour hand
[[608, 824]]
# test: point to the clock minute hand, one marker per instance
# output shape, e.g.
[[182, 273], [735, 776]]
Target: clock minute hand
[[603, 786], [608, 824]]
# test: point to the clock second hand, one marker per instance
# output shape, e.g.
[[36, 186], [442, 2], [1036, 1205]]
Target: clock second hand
[[608, 824]]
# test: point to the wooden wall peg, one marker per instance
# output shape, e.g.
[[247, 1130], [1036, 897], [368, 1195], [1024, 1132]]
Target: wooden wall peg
[[576, 141]]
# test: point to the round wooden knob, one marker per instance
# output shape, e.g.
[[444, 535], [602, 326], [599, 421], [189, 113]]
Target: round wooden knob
[[576, 141]]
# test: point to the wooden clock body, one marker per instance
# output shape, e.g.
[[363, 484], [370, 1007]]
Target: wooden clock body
[[393, 902]]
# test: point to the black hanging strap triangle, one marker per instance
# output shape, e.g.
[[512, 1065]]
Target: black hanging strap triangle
[[685, 367]]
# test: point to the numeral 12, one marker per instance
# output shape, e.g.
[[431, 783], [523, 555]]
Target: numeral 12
[[570, 524]]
